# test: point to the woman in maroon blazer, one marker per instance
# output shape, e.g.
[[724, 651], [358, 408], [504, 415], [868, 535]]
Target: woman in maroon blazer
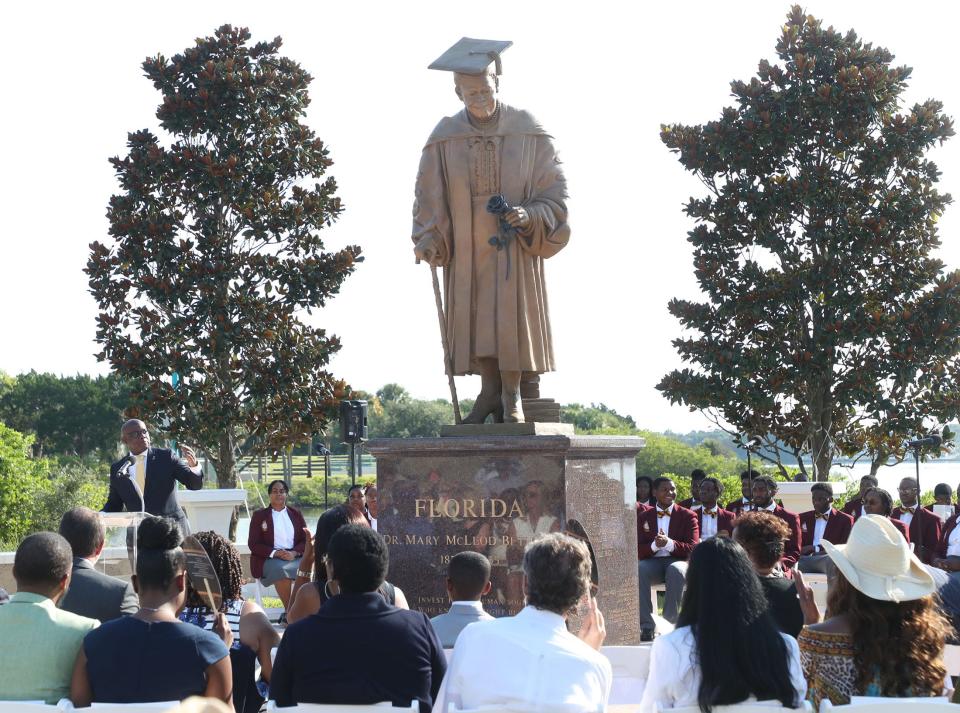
[[276, 540]]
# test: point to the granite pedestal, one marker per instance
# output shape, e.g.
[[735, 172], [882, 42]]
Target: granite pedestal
[[492, 494]]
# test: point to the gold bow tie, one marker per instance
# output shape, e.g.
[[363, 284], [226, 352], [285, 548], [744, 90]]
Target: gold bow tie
[[823, 516], [710, 513], [663, 513], [910, 510]]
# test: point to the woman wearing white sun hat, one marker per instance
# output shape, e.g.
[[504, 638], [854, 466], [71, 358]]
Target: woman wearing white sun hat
[[885, 636]]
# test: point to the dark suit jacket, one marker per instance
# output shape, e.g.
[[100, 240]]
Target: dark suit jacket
[[852, 508], [164, 469], [358, 650], [725, 520], [836, 532], [948, 527], [260, 538], [683, 530], [97, 596], [923, 523]]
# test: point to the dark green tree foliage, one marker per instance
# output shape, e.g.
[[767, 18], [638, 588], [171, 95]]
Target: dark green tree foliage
[[67, 415], [596, 417], [216, 249], [827, 324]]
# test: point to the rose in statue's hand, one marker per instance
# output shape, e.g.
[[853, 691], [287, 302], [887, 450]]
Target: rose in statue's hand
[[497, 205]]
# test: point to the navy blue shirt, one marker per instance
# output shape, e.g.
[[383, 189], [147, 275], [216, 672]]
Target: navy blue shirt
[[134, 661], [359, 650]]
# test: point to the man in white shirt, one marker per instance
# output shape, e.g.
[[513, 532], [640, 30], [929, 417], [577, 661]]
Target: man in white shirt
[[468, 579], [531, 661]]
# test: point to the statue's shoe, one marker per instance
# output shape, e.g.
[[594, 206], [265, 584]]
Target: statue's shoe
[[512, 407], [483, 407]]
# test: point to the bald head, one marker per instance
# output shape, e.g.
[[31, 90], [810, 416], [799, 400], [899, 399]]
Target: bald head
[[135, 436]]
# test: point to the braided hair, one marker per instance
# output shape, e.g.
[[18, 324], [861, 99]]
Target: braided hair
[[226, 563]]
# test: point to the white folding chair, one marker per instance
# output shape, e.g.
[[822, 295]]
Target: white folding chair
[[863, 704], [138, 707], [26, 707], [631, 667], [746, 707], [951, 659], [414, 707]]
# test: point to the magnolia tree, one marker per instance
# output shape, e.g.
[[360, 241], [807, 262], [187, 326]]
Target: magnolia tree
[[827, 327], [215, 250]]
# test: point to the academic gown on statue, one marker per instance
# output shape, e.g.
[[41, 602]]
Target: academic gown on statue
[[495, 298]]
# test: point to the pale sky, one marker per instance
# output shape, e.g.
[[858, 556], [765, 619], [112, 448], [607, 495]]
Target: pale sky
[[600, 76]]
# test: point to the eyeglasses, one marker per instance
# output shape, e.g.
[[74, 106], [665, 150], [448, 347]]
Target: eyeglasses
[[138, 432], [907, 490]]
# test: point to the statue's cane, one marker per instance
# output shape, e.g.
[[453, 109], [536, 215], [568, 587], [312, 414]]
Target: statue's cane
[[447, 360]]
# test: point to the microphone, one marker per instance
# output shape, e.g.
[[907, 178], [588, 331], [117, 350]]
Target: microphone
[[932, 441]]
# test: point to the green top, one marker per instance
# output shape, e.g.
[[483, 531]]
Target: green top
[[40, 645]]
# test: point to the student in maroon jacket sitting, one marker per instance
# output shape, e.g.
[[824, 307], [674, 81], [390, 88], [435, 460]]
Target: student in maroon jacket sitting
[[713, 519], [923, 525], [666, 533], [824, 522], [943, 495], [877, 501], [276, 541], [764, 491], [854, 506], [746, 493], [693, 502]]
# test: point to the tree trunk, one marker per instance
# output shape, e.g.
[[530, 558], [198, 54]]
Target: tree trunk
[[227, 474]]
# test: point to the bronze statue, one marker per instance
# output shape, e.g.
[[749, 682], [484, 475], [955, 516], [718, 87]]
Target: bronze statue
[[490, 208]]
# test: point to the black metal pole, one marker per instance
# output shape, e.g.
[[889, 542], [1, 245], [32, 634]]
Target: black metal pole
[[916, 512], [326, 479], [353, 464]]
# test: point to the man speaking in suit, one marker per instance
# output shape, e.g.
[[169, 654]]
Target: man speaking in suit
[[146, 479]]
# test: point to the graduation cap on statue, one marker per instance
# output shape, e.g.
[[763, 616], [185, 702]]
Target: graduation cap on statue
[[471, 56]]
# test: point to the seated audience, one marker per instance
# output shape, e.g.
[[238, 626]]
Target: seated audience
[[713, 519], [764, 491], [530, 661], [468, 579], [947, 561], [312, 589], [762, 536], [923, 525], [373, 507], [745, 501], [357, 498], [253, 635], [358, 649], [693, 502], [884, 636], [855, 506], [276, 541], [152, 655], [39, 641], [943, 495], [726, 648], [824, 522], [877, 501], [92, 594], [665, 536], [645, 491]]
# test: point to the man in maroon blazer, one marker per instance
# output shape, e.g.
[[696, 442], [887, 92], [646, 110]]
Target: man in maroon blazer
[[746, 493], [923, 525], [854, 506], [824, 522], [696, 477], [713, 519], [666, 534], [764, 491]]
